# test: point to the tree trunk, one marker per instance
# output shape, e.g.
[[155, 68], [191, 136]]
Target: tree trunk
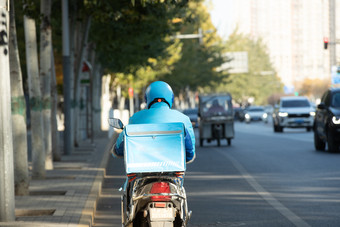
[[78, 71], [45, 77], [54, 110], [96, 95], [21, 178], [6, 144], [105, 102], [38, 147], [73, 52], [92, 53]]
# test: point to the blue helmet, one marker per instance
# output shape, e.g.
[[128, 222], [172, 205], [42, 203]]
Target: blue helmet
[[159, 91]]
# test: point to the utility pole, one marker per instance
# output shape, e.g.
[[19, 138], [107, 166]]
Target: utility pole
[[6, 143], [332, 33], [66, 79]]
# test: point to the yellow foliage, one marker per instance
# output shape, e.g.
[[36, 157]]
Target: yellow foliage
[[176, 20], [313, 87]]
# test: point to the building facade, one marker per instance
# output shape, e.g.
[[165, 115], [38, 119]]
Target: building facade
[[293, 31]]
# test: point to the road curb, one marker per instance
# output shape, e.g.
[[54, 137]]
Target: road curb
[[87, 215]]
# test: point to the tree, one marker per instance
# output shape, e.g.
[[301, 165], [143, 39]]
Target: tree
[[261, 80], [6, 143], [73, 56], [117, 27], [45, 77], [313, 88], [127, 36], [38, 146], [18, 113], [132, 42], [182, 63], [143, 76], [199, 57], [146, 22], [54, 110], [82, 39]]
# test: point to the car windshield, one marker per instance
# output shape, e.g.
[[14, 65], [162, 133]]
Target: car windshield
[[256, 110], [295, 103], [336, 100], [215, 105]]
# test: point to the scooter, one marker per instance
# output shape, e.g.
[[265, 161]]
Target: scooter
[[153, 198]]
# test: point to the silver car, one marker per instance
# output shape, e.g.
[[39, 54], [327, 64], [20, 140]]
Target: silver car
[[255, 113], [293, 112]]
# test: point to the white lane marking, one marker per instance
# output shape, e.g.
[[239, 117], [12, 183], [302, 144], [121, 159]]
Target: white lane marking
[[296, 220]]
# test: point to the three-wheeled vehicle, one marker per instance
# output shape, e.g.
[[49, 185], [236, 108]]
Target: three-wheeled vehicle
[[216, 118]]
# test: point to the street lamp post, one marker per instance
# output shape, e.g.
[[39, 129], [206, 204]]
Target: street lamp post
[[66, 80], [198, 36]]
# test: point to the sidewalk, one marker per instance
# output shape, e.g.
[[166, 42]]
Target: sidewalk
[[68, 195]]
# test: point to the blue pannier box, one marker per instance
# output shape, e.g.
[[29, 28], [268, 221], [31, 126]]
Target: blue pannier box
[[154, 148]]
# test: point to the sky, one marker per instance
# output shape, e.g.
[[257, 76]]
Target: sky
[[221, 14]]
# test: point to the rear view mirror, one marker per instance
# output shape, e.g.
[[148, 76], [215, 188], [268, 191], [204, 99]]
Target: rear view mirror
[[321, 106], [116, 123]]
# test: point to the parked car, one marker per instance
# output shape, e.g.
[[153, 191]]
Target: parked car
[[293, 112], [193, 115], [255, 113], [327, 121]]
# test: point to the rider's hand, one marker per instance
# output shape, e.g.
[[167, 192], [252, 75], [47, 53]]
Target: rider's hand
[[118, 131], [116, 134]]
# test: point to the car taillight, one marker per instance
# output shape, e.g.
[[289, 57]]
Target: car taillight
[[160, 187]]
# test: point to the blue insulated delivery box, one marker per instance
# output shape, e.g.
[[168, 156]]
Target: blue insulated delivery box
[[154, 148]]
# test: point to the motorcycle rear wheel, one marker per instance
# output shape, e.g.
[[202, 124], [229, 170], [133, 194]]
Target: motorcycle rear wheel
[[140, 221], [178, 222]]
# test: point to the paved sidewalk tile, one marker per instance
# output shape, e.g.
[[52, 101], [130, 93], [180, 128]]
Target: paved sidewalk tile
[[68, 195]]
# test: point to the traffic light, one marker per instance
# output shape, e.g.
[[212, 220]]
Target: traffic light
[[325, 43]]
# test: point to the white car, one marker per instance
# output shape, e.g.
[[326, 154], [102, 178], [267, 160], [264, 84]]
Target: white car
[[255, 113], [293, 112]]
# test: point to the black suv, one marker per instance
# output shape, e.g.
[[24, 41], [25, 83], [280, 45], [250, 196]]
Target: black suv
[[327, 121]]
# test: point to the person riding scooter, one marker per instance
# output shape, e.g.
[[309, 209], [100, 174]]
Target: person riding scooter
[[159, 98], [153, 191]]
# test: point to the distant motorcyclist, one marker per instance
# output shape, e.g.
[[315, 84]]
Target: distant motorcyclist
[[159, 98]]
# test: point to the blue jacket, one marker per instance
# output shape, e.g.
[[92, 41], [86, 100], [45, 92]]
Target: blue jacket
[[161, 113]]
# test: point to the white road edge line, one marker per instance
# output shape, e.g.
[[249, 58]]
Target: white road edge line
[[296, 220]]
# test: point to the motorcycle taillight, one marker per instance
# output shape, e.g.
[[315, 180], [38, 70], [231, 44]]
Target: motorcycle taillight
[[160, 187]]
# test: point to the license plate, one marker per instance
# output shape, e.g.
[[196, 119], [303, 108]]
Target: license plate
[[299, 121], [161, 213]]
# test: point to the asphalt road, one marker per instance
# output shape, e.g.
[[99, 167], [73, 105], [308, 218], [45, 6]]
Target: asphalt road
[[262, 179]]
